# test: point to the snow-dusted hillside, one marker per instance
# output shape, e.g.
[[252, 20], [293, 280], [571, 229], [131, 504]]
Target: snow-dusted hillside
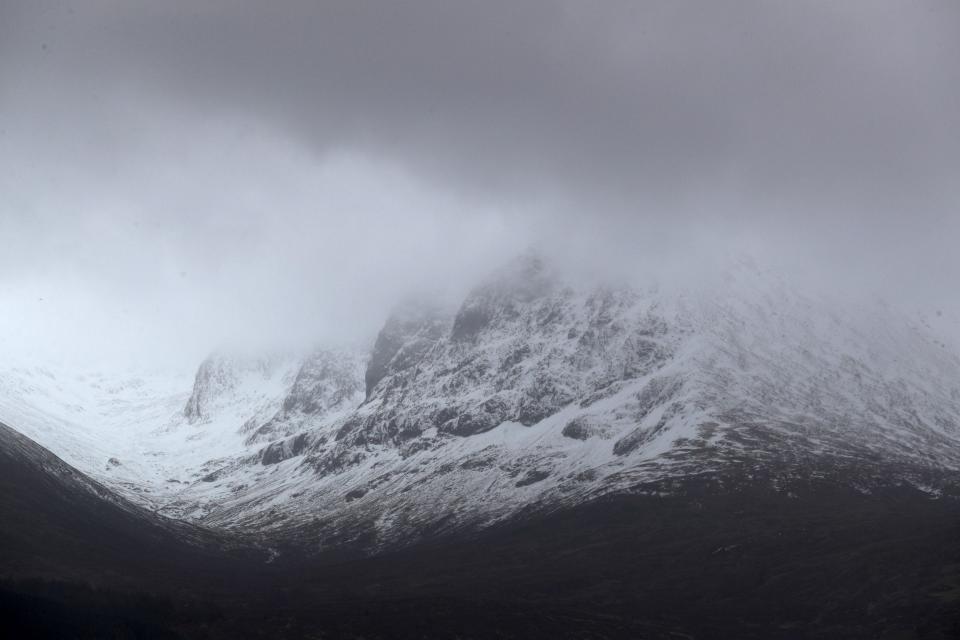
[[151, 435], [102, 424], [536, 393], [539, 393]]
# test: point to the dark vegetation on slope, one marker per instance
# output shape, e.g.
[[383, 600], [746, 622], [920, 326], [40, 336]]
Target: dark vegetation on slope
[[813, 560]]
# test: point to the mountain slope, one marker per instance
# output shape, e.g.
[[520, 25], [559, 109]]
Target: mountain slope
[[539, 394], [745, 561], [58, 523], [148, 435], [557, 458]]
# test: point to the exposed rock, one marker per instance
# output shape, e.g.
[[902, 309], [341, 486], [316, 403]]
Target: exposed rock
[[532, 477], [355, 494], [230, 384], [285, 449], [406, 336], [584, 427], [521, 347], [642, 435], [329, 382]]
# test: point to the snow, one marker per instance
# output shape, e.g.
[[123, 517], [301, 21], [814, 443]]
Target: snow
[[669, 384], [137, 420]]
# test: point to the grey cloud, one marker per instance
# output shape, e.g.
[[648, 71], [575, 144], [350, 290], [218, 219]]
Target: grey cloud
[[617, 99], [824, 133], [614, 95]]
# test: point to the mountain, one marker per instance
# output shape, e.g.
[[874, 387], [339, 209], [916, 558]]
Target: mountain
[[147, 435], [557, 457], [538, 393]]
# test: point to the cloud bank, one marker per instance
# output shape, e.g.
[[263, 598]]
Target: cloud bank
[[181, 172]]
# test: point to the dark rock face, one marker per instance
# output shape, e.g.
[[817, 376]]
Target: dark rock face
[[585, 427], [532, 477], [503, 298], [328, 382], [487, 416], [355, 494], [285, 449], [407, 335], [469, 322], [642, 435], [209, 376], [658, 391]]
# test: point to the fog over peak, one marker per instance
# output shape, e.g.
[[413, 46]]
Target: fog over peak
[[177, 174]]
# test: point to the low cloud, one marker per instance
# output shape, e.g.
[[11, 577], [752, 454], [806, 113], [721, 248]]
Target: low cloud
[[198, 169]]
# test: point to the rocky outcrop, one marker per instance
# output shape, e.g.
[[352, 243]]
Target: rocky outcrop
[[521, 347], [225, 380], [328, 383], [410, 331], [285, 449]]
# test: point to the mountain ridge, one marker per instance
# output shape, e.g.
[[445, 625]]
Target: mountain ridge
[[540, 391], [535, 393]]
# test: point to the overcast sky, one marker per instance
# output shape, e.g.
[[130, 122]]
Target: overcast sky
[[173, 174]]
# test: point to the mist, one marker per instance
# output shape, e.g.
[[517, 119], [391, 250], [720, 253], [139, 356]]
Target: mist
[[177, 176]]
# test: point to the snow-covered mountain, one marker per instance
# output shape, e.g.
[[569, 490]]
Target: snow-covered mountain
[[541, 391], [150, 435]]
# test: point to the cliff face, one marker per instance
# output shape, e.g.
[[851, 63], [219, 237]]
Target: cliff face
[[408, 334], [521, 347], [237, 385], [328, 384]]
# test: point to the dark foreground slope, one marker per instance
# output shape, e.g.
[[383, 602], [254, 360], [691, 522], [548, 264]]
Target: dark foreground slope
[[814, 561], [811, 560], [77, 560]]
